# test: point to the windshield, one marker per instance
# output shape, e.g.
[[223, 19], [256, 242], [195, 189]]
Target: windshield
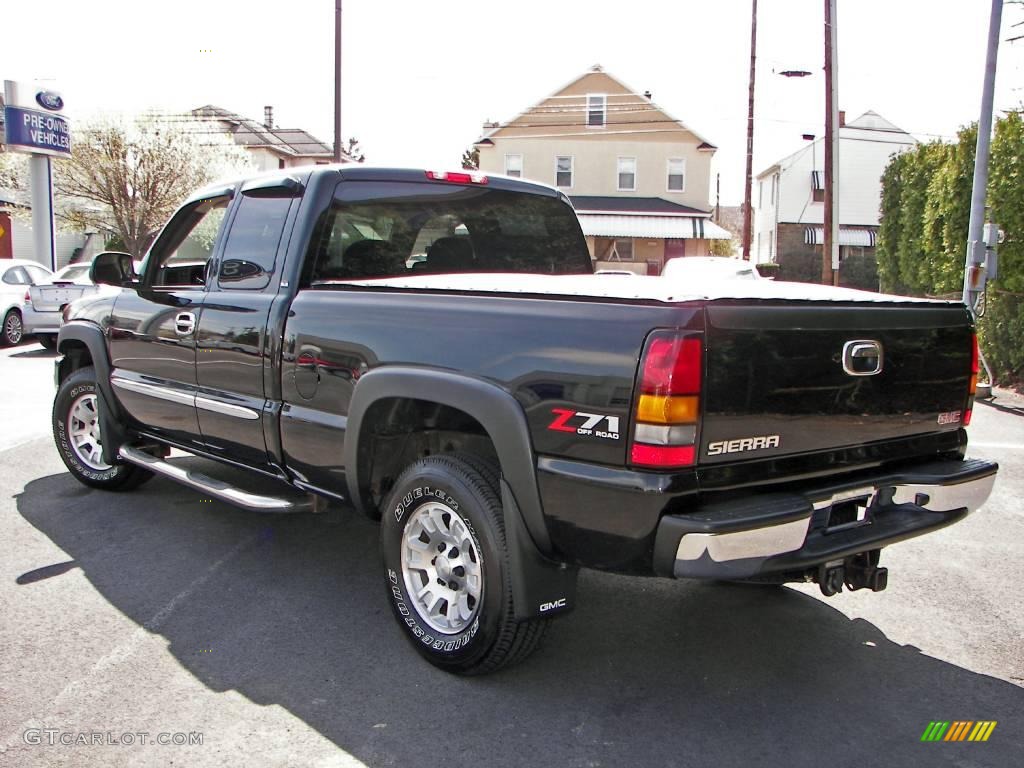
[[71, 273], [389, 229]]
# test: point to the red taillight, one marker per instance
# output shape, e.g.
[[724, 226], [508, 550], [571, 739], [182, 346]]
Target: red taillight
[[457, 178], [972, 388], [671, 366], [668, 401], [28, 297], [663, 455]]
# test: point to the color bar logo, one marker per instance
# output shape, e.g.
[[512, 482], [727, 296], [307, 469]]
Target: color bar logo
[[959, 730]]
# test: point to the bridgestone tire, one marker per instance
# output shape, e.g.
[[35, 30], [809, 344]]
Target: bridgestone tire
[[121, 477], [467, 487]]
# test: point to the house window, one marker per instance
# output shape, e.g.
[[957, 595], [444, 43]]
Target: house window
[[775, 187], [563, 172], [676, 175], [597, 110], [627, 174], [818, 186], [514, 165], [760, 194], [622, 250]]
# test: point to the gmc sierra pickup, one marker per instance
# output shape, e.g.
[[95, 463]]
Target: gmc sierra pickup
[[434, 349]]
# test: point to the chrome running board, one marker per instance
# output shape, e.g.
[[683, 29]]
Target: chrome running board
[[213, 487]]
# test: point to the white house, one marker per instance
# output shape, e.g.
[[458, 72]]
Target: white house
[[789, 197]]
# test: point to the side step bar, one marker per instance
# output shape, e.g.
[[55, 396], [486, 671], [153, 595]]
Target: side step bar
[[213, 487]]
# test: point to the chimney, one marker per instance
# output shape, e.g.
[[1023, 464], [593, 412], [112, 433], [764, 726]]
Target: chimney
[[268, 117], [842, 117], [647, 95]]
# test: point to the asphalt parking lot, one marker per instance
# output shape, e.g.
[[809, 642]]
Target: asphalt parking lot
[[156, 612]]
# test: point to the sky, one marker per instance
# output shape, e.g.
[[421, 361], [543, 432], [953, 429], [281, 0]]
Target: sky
[[420, 78]]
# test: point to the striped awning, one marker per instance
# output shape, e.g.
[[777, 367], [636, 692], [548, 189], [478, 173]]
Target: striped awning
[[681, 227], [847, 236]]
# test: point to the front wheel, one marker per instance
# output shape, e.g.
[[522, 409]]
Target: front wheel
[[76, 431], [446, 567], [13, 328]]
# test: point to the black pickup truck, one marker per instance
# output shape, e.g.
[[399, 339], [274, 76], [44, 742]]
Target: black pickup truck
[[434, 349]]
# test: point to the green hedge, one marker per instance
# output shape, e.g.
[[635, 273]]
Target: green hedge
[[922, 237]]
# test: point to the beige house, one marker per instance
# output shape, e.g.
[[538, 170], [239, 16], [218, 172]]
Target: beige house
[[638, 178]]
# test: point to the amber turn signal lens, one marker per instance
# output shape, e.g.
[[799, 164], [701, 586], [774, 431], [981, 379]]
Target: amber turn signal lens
[[667, 409]]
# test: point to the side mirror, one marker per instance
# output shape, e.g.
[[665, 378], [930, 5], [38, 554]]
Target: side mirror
[[112, 268]]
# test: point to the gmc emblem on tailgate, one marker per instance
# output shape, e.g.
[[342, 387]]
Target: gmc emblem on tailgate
[[862, 357]]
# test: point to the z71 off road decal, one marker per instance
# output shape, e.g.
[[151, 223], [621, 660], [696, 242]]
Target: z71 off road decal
[[587, 424]]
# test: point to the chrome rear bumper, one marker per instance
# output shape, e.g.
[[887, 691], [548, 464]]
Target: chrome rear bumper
[[776, 532]]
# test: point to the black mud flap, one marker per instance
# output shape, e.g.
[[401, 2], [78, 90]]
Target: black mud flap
[[540, 587]]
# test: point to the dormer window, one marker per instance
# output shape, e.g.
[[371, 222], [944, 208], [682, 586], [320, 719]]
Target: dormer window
[[597, 110]]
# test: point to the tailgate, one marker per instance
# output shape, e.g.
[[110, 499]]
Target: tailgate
[[787, 380], [50, 298]]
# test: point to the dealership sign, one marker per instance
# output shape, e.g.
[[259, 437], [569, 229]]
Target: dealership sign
[[33, 121]]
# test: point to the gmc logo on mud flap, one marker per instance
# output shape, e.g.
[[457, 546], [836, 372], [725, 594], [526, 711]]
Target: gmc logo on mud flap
[[554, 604], [589, 426], [743, 444]]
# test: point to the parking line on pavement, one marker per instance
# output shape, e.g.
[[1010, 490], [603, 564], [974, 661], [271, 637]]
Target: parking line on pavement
[[1000, 446]]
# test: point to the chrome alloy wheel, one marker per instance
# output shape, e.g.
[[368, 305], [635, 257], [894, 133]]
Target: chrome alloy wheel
[[84, 432], [442, 568], [13, 329]]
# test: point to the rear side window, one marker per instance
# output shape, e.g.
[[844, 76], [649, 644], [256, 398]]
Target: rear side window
[[16, 276], [251, 248], [404, 229]]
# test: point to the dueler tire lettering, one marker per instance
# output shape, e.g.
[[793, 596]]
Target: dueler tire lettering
[[468, 487], [120, 477]]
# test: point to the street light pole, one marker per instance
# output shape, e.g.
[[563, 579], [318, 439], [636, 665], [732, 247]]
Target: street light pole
[[830, 249], [750, 134], [337, 81], [974, 270]]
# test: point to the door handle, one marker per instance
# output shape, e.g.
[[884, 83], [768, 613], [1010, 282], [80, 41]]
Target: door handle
[[184, 323]]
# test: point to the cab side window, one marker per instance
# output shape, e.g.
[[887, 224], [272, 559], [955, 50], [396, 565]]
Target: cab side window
[[252, 242], [184, 250]]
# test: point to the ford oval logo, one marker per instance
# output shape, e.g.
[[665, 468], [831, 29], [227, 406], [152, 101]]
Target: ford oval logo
[[50, 100]]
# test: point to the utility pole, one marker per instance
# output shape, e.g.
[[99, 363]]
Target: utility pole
[[975, 271], [830, 249], [718, 195], [337, 81], [750, 134]]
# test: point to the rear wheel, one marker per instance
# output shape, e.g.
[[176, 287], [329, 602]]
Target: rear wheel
[[13, 328], [76, 431], [446, 567], [48, 340]]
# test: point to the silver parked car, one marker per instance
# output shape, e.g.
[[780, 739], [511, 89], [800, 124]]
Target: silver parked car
[[47, 299], [17, 276]]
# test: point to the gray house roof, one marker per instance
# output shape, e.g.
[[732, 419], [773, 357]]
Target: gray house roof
[[292, 142], [648, 205]]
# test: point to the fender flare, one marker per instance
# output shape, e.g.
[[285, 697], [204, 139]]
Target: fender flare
[[541, 585], [112, 416], [494, 408]]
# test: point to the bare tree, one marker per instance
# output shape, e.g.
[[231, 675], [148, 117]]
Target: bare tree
[[129, 176], [354, 151], [471, 159]]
